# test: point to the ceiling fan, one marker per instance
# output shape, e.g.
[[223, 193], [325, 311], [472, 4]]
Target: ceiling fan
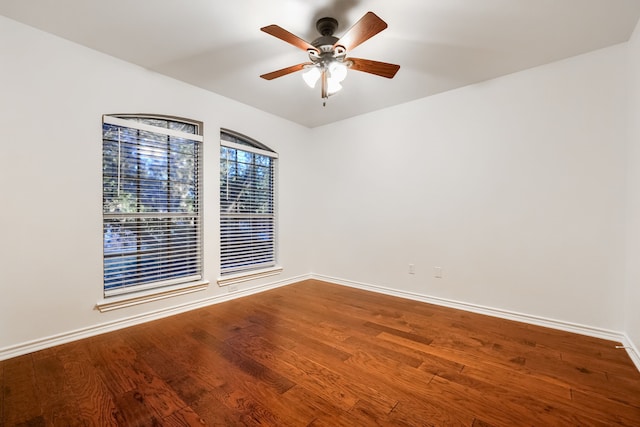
[[328, 54]]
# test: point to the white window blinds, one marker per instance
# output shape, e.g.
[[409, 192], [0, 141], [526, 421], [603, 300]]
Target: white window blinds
[[247, 205], [151, 203]]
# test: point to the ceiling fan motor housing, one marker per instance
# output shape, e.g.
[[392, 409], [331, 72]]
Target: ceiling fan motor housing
[[326, 26], [326, 43]]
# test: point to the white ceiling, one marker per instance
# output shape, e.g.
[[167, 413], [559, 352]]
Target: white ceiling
[[439, 44]]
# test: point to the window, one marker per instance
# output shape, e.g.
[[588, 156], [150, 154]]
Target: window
[[151, 203], [247, 206]]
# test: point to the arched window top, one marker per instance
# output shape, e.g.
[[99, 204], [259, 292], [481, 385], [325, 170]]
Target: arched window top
[[238, 138], [171, 123]]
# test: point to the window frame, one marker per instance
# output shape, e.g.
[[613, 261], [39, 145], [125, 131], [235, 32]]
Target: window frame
[[188, 276], [256, 270]]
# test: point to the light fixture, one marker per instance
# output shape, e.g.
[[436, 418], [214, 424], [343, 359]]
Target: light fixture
[[311, 75], [333, 86], [337, 72], [331, 69]]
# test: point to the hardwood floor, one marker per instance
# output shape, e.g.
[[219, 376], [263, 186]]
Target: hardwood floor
[[317, 354]]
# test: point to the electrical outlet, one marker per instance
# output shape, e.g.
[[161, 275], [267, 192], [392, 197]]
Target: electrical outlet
[[412, 269], [437, 272], [232, 288]]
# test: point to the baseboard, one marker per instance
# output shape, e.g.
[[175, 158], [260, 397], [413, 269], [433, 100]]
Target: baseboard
[[618, 337], [632, 350], [78, 334]]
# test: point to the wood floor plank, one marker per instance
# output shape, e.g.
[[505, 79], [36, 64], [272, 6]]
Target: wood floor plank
[[94, 403], [376, 347], [524, 381], [217, 414], [503, 407], [133, 383], [68, 375], [425, 411], [60, 403], [604, 409], [209, 375], [352, 309], [321, 354], [311, 404], [254, 343], [307, 373], [312, 363], [500, 350], [602, 363], [285, 335], [22, 402], [352, 338], [418, 383], [586, 378], [250, 365], [201, 376], [185, 417]]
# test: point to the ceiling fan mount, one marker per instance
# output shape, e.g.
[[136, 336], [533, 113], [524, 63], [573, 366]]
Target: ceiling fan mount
[[328, 53], [326, 26]]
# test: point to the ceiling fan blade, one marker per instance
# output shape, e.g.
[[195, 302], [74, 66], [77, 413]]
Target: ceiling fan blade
[[382, 69], [283, 72], [288, 37], [368, 26]]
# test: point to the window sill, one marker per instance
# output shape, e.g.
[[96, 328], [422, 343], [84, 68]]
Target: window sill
[[136, 298], [248, 275]]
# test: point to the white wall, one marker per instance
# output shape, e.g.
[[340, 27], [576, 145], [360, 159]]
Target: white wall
[[51, 103], [515, 187], [632, 309]]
